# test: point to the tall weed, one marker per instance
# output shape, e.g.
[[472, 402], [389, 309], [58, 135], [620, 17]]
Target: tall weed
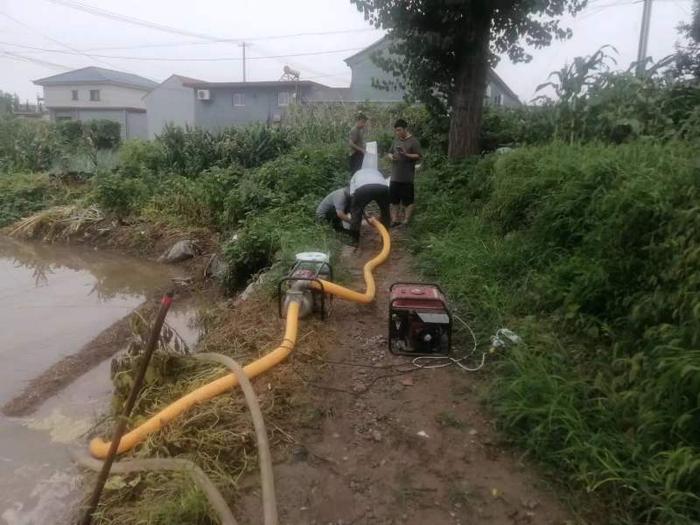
[[592, 254]]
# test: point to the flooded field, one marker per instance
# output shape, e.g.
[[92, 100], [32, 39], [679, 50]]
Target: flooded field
[[53, 301]]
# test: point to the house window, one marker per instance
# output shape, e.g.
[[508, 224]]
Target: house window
[[74, 94], [283, 98], [95, 95], [238, 99], [498, 99]]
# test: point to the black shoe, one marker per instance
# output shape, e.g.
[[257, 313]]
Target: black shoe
[[395, 224]]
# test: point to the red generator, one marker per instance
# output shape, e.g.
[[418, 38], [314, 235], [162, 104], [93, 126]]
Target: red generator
[[420, 323]]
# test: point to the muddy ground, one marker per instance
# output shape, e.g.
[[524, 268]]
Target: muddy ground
[[391, 444]]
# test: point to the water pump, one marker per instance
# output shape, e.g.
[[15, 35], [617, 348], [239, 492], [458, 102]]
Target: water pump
[[303, 283], [420, 323]]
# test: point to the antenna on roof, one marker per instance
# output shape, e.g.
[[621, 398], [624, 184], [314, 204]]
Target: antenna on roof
[[290, 74]]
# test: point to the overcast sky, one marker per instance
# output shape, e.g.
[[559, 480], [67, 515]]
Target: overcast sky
[[68, 38]]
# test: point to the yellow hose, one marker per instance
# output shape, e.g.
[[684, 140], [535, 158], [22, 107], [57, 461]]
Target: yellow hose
[[99, 447], [368, 296]]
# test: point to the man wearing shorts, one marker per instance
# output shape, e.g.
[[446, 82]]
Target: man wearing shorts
[[404, 153]]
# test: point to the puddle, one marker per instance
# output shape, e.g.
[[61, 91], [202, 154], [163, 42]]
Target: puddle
[[54, 300]]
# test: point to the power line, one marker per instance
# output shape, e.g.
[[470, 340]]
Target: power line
[[110, 15], [95, 11], [22, 58], [47, 37], [228, 40], [180, 59]]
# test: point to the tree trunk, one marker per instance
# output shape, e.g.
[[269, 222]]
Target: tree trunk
[[470, 88]]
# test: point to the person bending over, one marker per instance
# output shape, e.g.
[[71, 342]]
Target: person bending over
[[367, 185], [334, 209]]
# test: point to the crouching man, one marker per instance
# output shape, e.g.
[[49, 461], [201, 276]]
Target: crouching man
[[334, 209]]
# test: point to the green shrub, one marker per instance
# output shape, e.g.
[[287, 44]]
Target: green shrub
[[27, 145], [194, 202], [70, 132], [137, 156], [592, 254], [272, 208], [307, 173], [22, 195], [191, 151], [273, 236], [252, 146], [102, 133], [120, 195]]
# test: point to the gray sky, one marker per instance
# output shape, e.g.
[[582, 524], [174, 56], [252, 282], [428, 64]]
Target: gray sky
[[50, 25]]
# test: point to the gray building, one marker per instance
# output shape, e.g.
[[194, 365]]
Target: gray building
[[93, 93], [216, 105], [170, 102], [367, 76], [185, 101]]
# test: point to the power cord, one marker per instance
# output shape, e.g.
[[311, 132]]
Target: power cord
[[502, 339], [442, 361]]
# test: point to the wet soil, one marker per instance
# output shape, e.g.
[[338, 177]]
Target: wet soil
[[390, 444]]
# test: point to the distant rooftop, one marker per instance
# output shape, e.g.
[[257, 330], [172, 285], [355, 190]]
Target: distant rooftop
[[98, 75]]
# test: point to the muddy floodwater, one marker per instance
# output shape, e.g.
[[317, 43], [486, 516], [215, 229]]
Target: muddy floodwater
[[53, 301]]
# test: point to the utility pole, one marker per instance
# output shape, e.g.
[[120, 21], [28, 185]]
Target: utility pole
[[243, 45], [644, 37]]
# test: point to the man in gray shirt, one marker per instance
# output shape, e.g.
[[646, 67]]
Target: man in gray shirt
[[357, 143], [334, 209], [404, 153]]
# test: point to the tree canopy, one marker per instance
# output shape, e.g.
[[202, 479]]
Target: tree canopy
[[443, 48]]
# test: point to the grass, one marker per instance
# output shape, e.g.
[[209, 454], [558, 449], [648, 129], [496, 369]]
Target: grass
[[589, 253]]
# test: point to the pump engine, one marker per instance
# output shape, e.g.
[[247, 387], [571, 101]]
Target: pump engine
[[420, 323], [309, 267]]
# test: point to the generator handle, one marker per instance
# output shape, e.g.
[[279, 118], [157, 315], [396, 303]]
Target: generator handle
[[412, 283], [436, 285]]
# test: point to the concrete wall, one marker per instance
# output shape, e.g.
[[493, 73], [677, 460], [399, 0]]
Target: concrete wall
[[493, 91], [365, 73], [364, 70], [136, 125], [110, 96], [169, 103], [260, 106]]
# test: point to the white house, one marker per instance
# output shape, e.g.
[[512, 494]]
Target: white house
[[94, 93]]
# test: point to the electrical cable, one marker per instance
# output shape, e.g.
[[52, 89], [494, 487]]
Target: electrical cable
[[171, 59], [228, 40], [442, 361], [56, 41]]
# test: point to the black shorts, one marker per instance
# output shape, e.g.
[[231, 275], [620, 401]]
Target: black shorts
[[401, 193]]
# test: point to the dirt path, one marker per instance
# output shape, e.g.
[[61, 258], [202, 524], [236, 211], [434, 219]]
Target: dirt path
[[365, 463]]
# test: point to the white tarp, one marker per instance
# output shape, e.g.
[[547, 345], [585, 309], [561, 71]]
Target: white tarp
[[369, 174]]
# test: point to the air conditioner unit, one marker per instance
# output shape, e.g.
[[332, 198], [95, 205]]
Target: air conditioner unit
[[203, 94]]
